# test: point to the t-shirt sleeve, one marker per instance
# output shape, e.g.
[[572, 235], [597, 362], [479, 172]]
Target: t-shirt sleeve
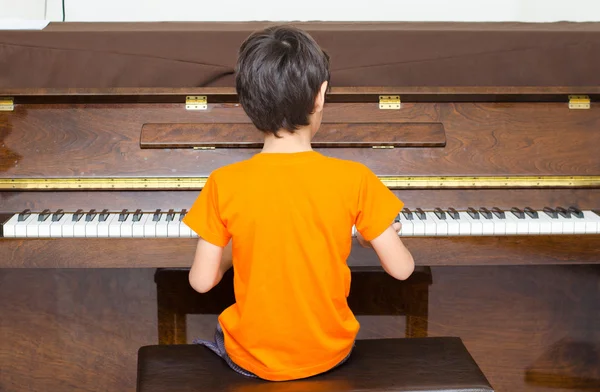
[[377, 206], [204, 217]]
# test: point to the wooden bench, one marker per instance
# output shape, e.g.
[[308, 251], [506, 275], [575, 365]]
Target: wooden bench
[[406, 364]]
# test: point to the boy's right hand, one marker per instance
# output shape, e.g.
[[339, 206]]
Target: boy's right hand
[[397, 226]]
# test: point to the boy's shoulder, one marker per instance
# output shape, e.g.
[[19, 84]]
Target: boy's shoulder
[[230, 170], [245, 168], [350, 167]]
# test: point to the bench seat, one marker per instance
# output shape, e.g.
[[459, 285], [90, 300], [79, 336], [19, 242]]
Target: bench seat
[[416, 364]]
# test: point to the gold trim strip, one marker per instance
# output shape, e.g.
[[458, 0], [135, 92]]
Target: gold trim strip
[[392, 182]]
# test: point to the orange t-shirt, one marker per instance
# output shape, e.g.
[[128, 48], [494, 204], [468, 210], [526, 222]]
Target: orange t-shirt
[[290, 217]]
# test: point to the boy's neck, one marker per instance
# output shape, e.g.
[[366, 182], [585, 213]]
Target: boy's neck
[[288, 142]]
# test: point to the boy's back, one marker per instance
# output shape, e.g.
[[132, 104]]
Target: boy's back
[[290, 216], [284, 219]]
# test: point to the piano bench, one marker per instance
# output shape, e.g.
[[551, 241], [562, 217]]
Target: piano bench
[[406, 364]]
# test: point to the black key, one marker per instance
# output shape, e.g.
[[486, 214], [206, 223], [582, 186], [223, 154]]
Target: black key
[[156, 216], [90, 215], [550, 212], [597, 212], [576, 212], [170, 215], [407, 214], [487, 214], [473, 213], [421, 214], [103, 215], [137, 216], [531, 212], [184, 211], [499, 213], [44, 215], [518, 213], [564, 213], [58, 215], [453, 213], [24, 215], [77, 215], [123, 215], [440, 213]]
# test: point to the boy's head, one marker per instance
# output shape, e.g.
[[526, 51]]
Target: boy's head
[[281, 78]]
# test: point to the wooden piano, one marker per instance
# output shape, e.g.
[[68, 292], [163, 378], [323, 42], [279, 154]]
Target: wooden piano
[[490, 137]]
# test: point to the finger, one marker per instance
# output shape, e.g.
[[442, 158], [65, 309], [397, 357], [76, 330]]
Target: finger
[[397, 226]]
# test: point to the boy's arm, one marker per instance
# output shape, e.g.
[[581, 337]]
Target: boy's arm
[[395, 258], [210, 264]]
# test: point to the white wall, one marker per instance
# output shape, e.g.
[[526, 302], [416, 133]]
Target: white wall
[[332, 10]]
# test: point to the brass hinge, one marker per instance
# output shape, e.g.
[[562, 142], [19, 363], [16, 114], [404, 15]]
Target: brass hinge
[[383, 147], [7, 104], [579, 102], [196, 102], [204, 148], [389, 102]]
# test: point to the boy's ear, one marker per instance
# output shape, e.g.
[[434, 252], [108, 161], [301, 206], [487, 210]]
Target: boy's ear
[[320, 99]]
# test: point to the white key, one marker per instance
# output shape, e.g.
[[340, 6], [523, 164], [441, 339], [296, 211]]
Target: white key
[[57, 226], [161, 226], [511, 223], [114, 227], [150, 226], [79, 227], [568, 224], [592, 225], [522, 224], [487, 225], [407, 226], [138, 227], [103, 226], [464, 224], [127, 226], [555, 223], [499, 224], [185, 231], [441, 227], [67, 228], [545, 223], [44, 227], [173, 227], [418, 226], [476, 224], [33, 227], [10, 226], [453, 225], [91, 228], [21, 227], [430, 224], [533, 225]]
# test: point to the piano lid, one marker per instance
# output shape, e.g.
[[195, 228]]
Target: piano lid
[[393, 54]]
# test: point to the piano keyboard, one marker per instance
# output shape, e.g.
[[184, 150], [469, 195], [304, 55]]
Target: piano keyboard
[[93, 224], [437, 222]]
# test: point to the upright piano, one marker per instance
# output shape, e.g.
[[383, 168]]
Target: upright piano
[[488, 132]]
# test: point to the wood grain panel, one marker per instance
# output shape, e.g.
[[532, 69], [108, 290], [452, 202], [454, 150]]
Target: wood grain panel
[[11, 202], [177, 252], [330, 135], [482, 139]]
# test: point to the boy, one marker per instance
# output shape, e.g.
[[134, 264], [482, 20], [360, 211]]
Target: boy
[[284, 219]]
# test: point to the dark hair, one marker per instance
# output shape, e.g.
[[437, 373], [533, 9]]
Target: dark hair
[[278, 76]]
